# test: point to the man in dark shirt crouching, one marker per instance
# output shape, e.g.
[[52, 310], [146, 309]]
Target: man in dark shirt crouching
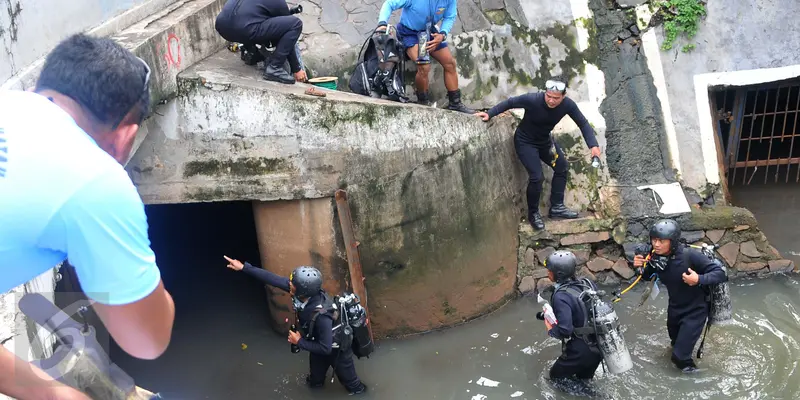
[[534, 143]]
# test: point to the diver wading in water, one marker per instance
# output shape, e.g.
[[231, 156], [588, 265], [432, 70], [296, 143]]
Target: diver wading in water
[[534, 143], [589, 325], [689, 276], [322, 332]]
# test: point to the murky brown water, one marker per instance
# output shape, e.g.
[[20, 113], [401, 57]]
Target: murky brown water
[[755, 357]]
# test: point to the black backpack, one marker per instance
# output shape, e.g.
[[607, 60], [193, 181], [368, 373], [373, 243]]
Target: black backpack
[[379, 71]]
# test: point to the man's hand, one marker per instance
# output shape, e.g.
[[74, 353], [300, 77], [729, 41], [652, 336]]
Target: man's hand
[[548, 325], [300, 76], [435, 42], [294, 337], [691, 278], [381, 29], [65, 393], [482, 115], [595, 151], [235, 265], [638, 261]]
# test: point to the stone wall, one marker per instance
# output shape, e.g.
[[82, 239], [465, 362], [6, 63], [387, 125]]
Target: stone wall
[[600, 245], [503, 47]]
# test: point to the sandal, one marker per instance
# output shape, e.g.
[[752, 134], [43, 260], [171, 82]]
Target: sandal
[[312, 91]]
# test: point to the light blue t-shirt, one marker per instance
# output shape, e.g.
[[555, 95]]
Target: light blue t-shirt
[[63, 197], [416, 13]]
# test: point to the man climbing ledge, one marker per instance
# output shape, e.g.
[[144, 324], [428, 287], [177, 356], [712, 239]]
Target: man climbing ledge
[[417, 26], [252, 22], [534, 143]]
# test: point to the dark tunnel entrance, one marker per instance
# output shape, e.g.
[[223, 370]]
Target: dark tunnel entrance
[[217, 309], [758, 132]]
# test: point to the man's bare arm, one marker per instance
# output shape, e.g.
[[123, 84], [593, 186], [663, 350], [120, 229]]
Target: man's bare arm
[[142, 328], [22, 380]]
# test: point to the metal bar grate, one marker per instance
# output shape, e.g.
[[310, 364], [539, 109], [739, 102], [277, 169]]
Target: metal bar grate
[[758, 125]]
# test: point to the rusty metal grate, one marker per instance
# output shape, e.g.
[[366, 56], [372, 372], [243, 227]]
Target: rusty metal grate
[[757, 127]]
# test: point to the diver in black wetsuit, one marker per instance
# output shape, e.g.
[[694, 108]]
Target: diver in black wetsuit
[[534, 143], [686, 273], [579, 358], [305, 287]]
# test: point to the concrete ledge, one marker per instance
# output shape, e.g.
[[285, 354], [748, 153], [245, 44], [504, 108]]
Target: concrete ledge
[[435, 195]]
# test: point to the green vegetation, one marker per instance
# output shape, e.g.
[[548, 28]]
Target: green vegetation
[[680, 17]]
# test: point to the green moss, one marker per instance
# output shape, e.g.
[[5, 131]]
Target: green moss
[[206, 194], [243, 166], [463, 55], [447, 308], [571, 66], [367, 114]]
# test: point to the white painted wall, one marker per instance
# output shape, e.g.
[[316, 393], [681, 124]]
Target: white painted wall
[[29, 29], [738, 43]]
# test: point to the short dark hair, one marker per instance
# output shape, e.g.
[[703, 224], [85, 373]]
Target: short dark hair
[[102, 76]]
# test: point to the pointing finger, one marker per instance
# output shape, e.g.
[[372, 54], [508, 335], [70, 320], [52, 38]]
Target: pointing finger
[[227, 258]]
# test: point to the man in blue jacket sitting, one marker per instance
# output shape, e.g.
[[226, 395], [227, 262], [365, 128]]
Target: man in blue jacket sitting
[[420, 17]]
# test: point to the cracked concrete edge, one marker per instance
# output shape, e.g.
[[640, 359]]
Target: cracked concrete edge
[[26, 77]]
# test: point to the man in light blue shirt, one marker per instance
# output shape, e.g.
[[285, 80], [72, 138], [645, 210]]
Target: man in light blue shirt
[[421, 16], [64, 194]]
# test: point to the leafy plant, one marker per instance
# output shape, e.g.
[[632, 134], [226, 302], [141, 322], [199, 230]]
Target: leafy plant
[[681, 17]]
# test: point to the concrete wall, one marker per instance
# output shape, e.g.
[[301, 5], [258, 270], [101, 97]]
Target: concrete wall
[[735, 36], [435, 209], [29, 29]]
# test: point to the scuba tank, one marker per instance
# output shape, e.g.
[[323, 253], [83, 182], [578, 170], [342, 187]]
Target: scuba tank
[[720, 306], [354, 324], [609, 337], [601, 330]]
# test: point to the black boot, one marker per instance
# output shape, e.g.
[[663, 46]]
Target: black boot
[[562, 212], [363, 389], [423, 98], [311, 385], [536, 221], [456, 104], [278, 74]]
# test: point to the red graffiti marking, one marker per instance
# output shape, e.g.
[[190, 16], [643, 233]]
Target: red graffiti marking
[[173, 55]]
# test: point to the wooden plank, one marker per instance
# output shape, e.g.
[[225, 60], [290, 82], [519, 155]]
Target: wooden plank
[[353, 256]]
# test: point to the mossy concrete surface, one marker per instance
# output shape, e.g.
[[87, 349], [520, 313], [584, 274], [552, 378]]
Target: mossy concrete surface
[[435, 195]]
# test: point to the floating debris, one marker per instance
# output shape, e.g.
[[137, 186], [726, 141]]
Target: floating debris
[[509, 339], [244, 346], [479, 397], [487, 382], [528, 350], [494, 335], [517, 394]]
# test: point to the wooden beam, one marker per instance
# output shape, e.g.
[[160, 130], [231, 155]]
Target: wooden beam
[[353, 256]]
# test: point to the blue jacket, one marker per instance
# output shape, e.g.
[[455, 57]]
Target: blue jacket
[[417, 12]]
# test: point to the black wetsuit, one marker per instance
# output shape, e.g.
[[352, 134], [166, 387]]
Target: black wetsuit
[[688, 305], [533, 141], [577, 360], [262, 22], [322, 355]]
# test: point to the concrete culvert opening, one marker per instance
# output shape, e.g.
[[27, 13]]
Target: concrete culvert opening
[[217, 309], [758, 130]]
